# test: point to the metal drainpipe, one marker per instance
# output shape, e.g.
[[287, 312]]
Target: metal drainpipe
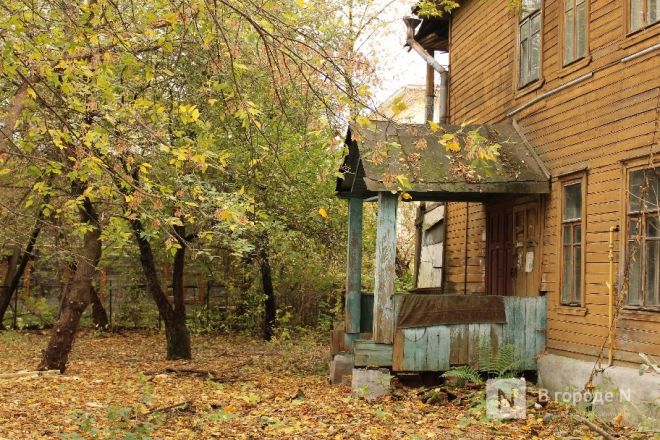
[[411, 23]]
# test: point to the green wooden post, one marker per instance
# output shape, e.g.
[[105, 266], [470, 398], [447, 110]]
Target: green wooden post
[[353, 271], [385, 268]]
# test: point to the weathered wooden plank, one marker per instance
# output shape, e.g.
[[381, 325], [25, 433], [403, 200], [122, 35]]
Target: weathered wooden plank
[[541, 324], [354, 266], [422, 349], [415, 349], [397, 351], [473, 344], [385, 268], [458, 344], [371, 354]]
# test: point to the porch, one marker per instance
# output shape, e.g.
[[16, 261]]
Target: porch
[[386, 160]]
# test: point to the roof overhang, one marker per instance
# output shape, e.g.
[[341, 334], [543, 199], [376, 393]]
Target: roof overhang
[[415, 158]]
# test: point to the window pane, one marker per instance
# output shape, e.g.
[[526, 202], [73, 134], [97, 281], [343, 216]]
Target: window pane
[[536, 23], [634, 274], [654, 11], [633, 228], [524, 57], [567, 234], [636, 15], [652, 272], [577, 272], [580, 30], [566, 287], [529, 6], [568, 37], [573, 201], [535, 48], [535, 56], [653, 189], [653, 226], [635, 188], [577, 235]]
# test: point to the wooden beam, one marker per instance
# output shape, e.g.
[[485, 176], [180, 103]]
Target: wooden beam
[[385, 268], [353, 271], [430, 90]]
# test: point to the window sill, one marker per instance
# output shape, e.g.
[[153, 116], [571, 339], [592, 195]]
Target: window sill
[[529, 88], [641, 35], [636, 314], [571, 310], [574, 66]]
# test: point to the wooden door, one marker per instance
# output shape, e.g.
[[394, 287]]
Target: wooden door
[[526, 249], [499, 248]]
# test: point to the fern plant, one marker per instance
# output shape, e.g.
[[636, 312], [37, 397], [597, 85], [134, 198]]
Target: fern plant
[[463, 374], [501, 363]]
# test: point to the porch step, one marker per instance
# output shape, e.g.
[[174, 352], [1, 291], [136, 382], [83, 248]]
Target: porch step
[[371, 354]]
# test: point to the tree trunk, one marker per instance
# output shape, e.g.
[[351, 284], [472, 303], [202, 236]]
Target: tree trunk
[[176, 332], [269, 302], [8, 292], [77, 299], [99, 316]]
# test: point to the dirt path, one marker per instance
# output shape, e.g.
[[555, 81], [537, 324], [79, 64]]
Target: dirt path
[[120, 384]]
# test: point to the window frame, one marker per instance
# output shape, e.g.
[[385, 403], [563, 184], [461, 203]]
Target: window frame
[[562, 30], [527, 18], [626, 240], [579, 300], [645, 17]]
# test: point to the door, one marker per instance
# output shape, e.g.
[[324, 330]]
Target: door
[[499, 248], [527, 258]]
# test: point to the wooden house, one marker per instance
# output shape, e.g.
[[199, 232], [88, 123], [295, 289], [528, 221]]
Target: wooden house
[[567, 238]]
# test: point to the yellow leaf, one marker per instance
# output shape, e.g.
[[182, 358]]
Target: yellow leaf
[[194, 115], [434, 126], [452, 146], [32, 93], [406, 196], [323, 213], [363, 90], [363, 121]]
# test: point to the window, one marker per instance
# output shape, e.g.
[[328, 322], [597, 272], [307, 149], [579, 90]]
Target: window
[[575, 30], [643, 250], [571, 255], [529, 52], [643, 13]]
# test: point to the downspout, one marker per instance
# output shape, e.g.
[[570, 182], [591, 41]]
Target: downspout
[[411, 24], [610, 296]]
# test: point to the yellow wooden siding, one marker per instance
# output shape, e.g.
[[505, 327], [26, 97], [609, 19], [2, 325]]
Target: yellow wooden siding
[[593, 125]]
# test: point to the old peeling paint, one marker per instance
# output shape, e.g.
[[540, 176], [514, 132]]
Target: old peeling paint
[[371, 354], [436, 348], [385, 268], [354, 267]]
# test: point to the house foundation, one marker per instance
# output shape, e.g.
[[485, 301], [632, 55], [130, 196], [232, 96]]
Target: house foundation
[[619, 390], [371, 383]]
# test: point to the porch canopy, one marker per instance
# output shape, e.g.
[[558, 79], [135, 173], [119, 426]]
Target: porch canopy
[[434, 162], [440, 162]]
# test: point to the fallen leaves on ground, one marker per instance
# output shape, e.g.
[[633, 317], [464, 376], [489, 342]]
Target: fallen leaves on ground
[[120, 386]]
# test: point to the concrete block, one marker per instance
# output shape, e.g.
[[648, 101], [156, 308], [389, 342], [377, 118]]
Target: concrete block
[[370, 384], [618, 390], [341, 368]]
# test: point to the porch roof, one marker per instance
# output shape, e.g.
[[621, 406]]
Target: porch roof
[[415, 158]]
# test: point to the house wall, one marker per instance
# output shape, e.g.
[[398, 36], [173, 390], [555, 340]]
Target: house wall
[[594, 126]]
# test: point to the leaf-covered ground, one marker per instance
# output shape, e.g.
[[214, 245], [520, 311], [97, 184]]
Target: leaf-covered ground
[[119, 386]]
